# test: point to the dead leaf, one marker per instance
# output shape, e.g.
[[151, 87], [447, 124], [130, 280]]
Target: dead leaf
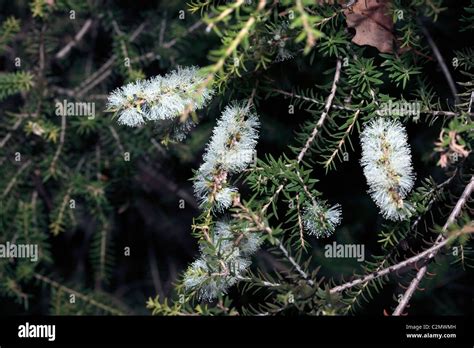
[[443, 160], [455, 146], [372, 23], [453, 151]]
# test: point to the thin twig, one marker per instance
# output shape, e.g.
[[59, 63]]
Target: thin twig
[[9, 134], [15, 177], [78, 37], [233, 45], [347, 108], [61, 143], [421, 273], [41, 53], [425, 255], [227, 12], [191, 29], [441, 62], [161, 37], [341, 142], [300, 222], [410, 290], [272, 198], [117, 138], [83, 297], [447, 113], [312, 100], [105, 70], [260, 282], [319, 124], [294, 263], [264, 228]]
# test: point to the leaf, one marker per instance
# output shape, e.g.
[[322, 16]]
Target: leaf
[[372, 23]]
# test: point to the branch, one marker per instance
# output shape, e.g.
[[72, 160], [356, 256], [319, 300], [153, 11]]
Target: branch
[[262, 226], [61, 144], [260, 282], [441, 62], [294, 263], [337, 74], [192, 28], [315, 101], [447, 113], [12, 129], [15, 177], [409, 292], [272, 198], [386, 259], [300, 222], [224, 14], [427, 254], [102, 73], [83, 297], [421, 273], [78, 37], [117, 139], [341, 142], [310, 38]]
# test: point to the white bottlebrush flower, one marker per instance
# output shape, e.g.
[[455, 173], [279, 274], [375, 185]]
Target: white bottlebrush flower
[[246, 242], [159, 98], [216, 271], [131, 117], [123, 99], [386, 160], [233, 141], [223, 198], [230, 150], [211, 188], [250, 243], [209, 284], [320, 220], [196, 274], [223, 240]]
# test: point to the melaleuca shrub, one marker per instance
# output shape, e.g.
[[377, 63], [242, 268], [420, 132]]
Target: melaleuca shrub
[[313, 78]]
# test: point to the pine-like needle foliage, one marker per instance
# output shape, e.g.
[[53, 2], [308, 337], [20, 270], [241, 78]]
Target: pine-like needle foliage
[[320, 220]]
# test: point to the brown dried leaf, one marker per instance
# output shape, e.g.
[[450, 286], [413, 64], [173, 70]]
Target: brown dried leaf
[[449, 154], [372, 23]]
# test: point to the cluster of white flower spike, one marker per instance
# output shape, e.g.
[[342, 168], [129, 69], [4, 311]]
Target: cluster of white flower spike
[[320, 220], [213, 273], [230, 151], [226, 256], [386, 160], [159, 98]]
